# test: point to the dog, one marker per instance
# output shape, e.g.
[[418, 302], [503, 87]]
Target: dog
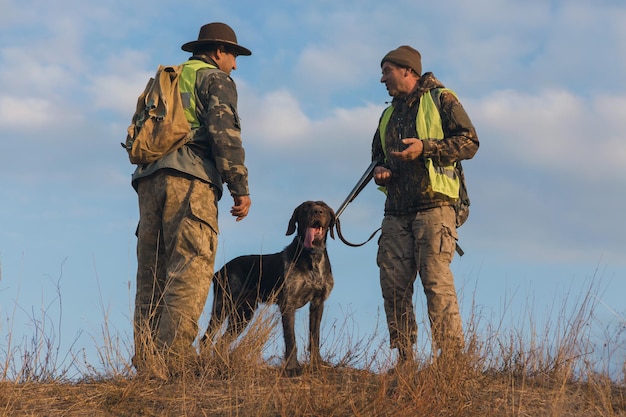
[[299, 274]]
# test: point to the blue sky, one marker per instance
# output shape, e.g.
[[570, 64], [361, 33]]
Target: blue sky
[[543, 81]]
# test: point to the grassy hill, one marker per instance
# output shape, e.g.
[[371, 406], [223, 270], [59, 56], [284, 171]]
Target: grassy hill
[[450, 389], [553, 373]]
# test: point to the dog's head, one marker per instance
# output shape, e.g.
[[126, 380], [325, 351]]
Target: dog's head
[[313, 220]]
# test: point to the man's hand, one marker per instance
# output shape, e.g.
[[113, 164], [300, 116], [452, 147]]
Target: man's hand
[[241, 207], [415, 149], [382, 175]]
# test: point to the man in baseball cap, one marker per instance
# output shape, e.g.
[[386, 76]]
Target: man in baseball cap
[[421, 139]]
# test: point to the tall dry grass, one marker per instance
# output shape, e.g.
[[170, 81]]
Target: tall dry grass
[[524, 371]]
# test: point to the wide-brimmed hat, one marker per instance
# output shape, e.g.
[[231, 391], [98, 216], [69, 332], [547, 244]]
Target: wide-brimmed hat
[[216, 33]]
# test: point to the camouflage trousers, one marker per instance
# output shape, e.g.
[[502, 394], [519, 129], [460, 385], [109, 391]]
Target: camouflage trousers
[[422, 244], [176, 245]]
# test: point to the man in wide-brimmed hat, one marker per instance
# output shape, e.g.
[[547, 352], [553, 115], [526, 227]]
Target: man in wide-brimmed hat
[[178, 195]]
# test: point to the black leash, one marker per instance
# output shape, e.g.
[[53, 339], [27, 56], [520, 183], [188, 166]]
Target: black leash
[[363, 181], [343, 239]]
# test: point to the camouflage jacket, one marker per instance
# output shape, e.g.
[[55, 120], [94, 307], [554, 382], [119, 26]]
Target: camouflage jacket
[[409, 190], [215, 154]]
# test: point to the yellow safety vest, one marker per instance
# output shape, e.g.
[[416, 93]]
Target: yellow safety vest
[[443, 179], [187, 86]]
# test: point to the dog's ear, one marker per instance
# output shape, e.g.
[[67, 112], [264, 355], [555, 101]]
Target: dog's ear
[[333, 218], [292, 222]]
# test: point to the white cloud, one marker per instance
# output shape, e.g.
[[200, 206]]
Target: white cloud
[[345, 56], [540, 180], [119, 80], [118, 92], [28, 114], [555, 131], [276, 117], [32, 75], [276, 123], [606, 132]]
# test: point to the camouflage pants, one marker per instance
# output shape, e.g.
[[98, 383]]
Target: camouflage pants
[[176, 245], [423, 243]]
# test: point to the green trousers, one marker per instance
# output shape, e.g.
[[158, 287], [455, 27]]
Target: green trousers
[[422, 244], [176, 245]]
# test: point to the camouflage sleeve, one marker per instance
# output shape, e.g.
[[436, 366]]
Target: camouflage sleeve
[[377, 148], [460, 139], [218, 94]]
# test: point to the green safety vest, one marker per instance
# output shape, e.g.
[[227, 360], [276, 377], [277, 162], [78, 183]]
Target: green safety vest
[[443, 179], [187, 86]]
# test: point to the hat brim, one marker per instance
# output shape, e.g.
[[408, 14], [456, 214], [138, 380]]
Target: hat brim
[[189, 46]]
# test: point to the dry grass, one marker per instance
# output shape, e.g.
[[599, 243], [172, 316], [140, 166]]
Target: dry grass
[[549, 373], [452, 389]]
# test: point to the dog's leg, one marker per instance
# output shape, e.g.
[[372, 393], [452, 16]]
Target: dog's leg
[[292, 366], [210, 332], [239, 319], [222, 305], [316, 309]]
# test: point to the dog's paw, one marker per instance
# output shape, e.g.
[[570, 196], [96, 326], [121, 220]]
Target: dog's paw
[[292, 370], [204, 341]]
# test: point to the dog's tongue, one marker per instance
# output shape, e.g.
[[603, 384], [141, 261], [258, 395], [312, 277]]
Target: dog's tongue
[[311, 232]]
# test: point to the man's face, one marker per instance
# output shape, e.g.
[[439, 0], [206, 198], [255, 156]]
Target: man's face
[[398, 80], [226, 60]]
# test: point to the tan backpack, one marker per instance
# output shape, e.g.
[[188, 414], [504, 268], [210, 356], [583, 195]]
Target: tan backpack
[[159, 125]]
